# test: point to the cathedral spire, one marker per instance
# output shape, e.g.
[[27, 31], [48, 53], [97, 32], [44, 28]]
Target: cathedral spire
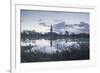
[[51, 28]]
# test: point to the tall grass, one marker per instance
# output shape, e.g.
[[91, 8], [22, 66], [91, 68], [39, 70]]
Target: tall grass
[[82, 53]]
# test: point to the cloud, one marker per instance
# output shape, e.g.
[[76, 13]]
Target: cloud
[[84, 30], [69, 26], [60, 25], [83, 27], [43, 24], [40, 20], [82, 24], [58, 20]]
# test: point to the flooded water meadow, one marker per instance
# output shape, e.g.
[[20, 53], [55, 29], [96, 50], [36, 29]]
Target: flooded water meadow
[[54, 50]]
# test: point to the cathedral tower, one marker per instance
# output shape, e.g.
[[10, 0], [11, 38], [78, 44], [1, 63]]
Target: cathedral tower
[[51, 29]]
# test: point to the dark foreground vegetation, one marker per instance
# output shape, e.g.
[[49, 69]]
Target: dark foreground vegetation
[[73, 54]]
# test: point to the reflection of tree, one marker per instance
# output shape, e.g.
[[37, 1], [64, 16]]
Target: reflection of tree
[[66, 40]]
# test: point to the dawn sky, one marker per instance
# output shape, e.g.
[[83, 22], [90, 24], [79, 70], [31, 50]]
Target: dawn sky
[[40, 21]]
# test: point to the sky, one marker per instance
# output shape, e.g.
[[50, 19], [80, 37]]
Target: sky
[[40, 21]]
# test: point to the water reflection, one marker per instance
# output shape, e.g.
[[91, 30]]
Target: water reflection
[[49, 50], [47, 46]]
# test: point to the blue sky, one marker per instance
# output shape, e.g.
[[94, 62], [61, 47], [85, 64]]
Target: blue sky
[[40, 21]]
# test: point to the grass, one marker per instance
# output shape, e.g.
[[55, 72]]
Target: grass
[[37, 56]]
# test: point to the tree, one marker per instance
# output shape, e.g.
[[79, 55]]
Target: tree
[[66, 33]]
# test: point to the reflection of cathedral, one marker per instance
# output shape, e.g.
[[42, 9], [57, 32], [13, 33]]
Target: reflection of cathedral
[[51, 35]]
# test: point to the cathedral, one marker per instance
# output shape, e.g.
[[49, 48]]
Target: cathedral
[[51, 29]]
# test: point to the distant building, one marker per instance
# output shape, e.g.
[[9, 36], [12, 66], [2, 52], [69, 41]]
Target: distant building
[[51, 29]]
